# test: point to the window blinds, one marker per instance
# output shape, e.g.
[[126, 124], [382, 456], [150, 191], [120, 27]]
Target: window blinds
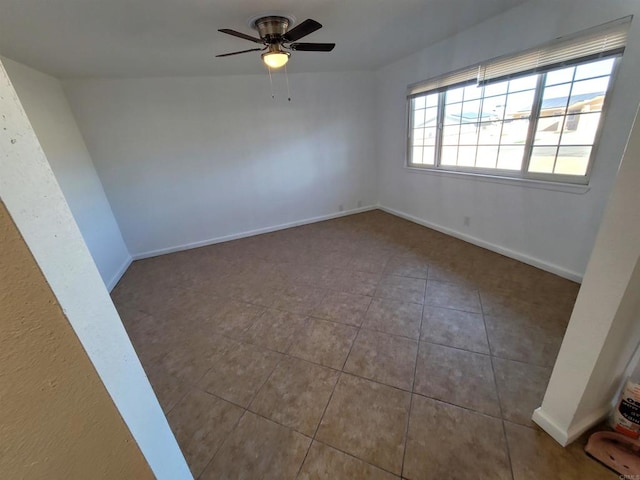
[[604, 40]]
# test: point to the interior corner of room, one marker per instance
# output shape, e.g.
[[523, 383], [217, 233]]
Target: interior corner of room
[[127, 167]]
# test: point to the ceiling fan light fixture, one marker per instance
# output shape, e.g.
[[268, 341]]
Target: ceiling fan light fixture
[[277, 59]]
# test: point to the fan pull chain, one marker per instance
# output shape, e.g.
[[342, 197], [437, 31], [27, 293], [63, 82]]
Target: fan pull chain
[[271, 83], [286, 76]]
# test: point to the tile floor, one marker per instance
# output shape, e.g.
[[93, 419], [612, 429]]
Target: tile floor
[[365, 347]]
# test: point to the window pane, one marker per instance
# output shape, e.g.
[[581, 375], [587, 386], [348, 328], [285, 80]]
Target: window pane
[[572, 160], [493, 107], [432, 100], [519, 104], [588, 95], [542, 159], [419, 102], [472, 92], [489, 133], [454, 95], [487, 157], [430, 117], [580, 129], [523, 83], [548, 130], [416, 155], [560, 76], [515, 132], [428, 156], [418, 136], [510, 157], [496, 89], [449, 156], [467, 156], [418, 118], [450, 135], [555, 99], [468, 134], [430, 136], [470, 111], [595, 69], [452, 113]]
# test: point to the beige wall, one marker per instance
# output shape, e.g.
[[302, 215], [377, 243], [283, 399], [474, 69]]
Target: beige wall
[[56, 418]]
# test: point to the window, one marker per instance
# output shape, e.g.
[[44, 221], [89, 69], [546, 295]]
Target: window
[[539, 122]]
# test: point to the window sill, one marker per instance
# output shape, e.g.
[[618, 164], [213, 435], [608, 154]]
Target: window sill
[[522, 182]]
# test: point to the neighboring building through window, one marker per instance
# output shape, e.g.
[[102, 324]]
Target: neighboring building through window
[[541, 124]]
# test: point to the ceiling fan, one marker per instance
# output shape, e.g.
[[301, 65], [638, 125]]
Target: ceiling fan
[[278, 40]]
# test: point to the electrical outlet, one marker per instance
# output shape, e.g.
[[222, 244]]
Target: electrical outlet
[[359, 203], [467, 221], [340, 208]]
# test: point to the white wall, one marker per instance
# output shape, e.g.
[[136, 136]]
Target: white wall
[[604, 329], [36, 204], [50, 115], [189, 160], [552, 229]]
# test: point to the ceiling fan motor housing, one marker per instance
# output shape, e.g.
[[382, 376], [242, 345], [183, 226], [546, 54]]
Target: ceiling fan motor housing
[[272, 28]]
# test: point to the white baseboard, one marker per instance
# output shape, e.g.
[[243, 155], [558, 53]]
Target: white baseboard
[[566, 436], [559, 434], [536, 262], [118, 275], [250, 233]]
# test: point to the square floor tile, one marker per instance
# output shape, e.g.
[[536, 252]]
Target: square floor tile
[[300, 299], [258, 448], [394, 317], [231, 317], [514, 340], [535, 455], [274, 329], [201, 422], [168, 388], [454, 328], [457, 376], [401, 288], [296, 394], [239, 373], [451, 295], [384, 358], [326, 463], [407, 267], [354, 282], [446, 441], [324, 342], [368, 263], [367, 420], [521, 388], [343, 307]]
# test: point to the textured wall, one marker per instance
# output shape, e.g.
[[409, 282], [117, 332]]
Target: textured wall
[[56, 418]]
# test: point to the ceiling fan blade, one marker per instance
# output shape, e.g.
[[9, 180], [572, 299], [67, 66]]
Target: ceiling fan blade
[[238, 53], [240, 35], [302, 30], [312, 47]]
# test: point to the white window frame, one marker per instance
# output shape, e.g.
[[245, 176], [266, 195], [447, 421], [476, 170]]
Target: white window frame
[[470, 75]]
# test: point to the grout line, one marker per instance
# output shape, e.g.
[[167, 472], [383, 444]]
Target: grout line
[[495, 383], [319, 423], [222, 444], [413, 384], [357, 458], [341, 372]]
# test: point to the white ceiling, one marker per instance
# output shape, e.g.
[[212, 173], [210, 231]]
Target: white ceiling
[[139, 38]]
